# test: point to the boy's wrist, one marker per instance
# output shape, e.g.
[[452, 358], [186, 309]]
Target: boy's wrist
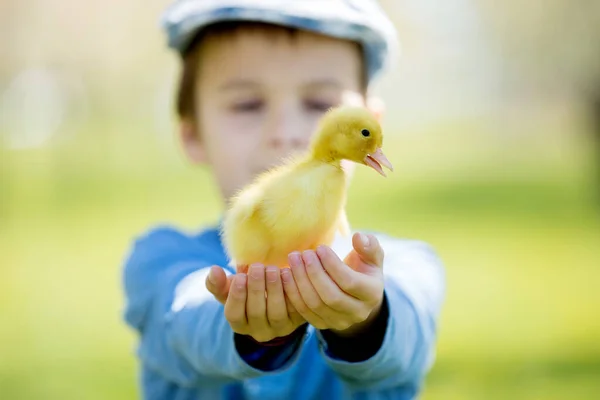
[[271, 355], [282, 340]]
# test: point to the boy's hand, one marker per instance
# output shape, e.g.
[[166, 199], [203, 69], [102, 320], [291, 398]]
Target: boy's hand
[[247, 309], [330, 294]]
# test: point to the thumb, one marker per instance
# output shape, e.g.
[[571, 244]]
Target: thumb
[[218, 283], [368, 249]]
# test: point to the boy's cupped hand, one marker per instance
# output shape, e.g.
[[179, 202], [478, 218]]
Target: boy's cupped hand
[[318, 288], [247, 308], [343, 296]]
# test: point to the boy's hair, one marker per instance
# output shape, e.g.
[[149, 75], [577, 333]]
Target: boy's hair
[[190, 58]]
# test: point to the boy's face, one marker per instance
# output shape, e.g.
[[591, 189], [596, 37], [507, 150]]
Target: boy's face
[[260, 94]]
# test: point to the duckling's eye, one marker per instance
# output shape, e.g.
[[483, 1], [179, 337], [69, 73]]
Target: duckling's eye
[[365, 132]]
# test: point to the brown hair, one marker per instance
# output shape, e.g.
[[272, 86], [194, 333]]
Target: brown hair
[[190, 57]]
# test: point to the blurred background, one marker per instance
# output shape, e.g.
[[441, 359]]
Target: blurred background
[[494, 126]]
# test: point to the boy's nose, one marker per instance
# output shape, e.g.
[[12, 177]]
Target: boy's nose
[[294, 143], [287, 132]]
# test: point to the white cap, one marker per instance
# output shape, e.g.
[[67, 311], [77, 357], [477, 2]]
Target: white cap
[[362, 21]]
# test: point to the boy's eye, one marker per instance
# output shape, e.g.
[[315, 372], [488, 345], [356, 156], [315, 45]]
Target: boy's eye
[[248, 106], [318, 105]]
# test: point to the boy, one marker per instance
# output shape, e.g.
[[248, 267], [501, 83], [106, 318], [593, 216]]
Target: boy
[[257, 76]]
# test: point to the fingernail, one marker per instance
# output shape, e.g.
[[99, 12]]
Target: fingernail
[[211, 276], [257, 271], [286, 275], [272, 273], [309, 257], [322, 251], [295, 259], [240, 281], [364, 239]]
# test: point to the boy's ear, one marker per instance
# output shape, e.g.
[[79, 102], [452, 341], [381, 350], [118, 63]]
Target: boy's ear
[[190, 141], [377, 106]]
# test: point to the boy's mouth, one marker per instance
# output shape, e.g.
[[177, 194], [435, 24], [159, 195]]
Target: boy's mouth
[[376, 160]]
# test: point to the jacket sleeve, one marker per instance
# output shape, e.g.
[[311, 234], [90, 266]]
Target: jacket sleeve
[[182, 329], [414, 292]]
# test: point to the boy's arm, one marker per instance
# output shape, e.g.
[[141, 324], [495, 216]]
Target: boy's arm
[[184, 335], [398, 348]]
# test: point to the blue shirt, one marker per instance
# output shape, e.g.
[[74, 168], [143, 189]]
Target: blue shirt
[[187, 349]]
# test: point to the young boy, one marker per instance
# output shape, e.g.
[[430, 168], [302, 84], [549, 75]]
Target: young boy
[[256, 77]]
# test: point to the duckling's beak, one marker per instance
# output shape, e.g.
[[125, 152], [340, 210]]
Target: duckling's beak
[[376, 160]]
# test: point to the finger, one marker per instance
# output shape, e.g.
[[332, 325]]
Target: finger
[[277, 314], [293, 294], [256, 305], [293, 314], [235, 306], [368, 248], [307, 291], [327, 289], [354, 283], [218, 283]]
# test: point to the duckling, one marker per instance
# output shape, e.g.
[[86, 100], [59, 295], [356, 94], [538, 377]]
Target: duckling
[[300, 203]]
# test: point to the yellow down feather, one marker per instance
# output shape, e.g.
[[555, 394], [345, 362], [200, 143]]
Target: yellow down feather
[[300, 204]]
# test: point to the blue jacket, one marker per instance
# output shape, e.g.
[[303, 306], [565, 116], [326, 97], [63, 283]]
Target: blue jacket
[[187, 348]]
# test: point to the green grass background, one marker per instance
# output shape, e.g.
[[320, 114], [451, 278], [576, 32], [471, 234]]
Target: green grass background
[[514, 220]]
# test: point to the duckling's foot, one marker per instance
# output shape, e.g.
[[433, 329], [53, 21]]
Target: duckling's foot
[[242, 268]]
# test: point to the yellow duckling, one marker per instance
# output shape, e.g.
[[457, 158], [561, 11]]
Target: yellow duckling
[[301, 203]]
